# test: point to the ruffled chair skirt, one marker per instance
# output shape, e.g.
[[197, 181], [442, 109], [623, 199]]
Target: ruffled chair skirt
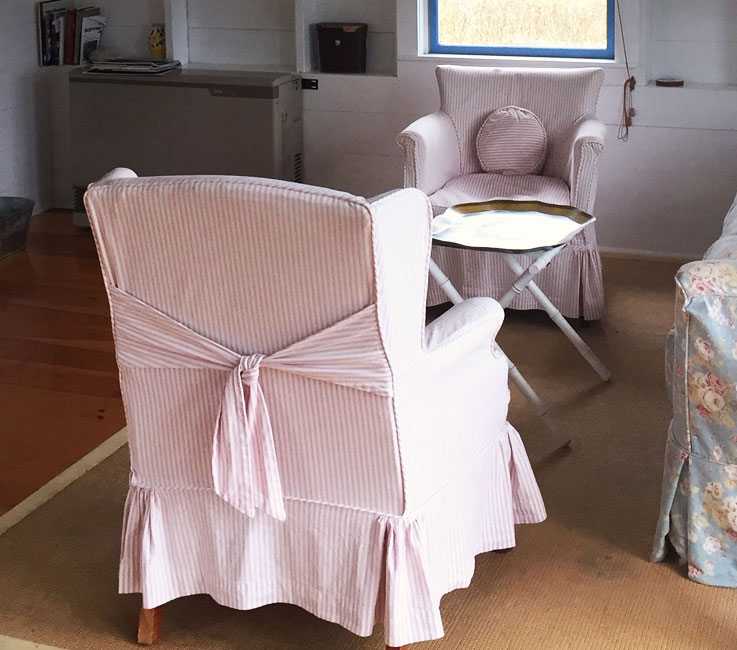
[[698, 515], [179, 542], [573, 280]]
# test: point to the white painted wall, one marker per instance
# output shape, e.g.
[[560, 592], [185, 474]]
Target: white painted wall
[[281, 33], [668, 188], [665, 191], [244, 32], [695, 41], [25, 134], [128, 24]]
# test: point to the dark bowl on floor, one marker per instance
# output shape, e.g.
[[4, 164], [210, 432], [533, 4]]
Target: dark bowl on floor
[[15, 218]]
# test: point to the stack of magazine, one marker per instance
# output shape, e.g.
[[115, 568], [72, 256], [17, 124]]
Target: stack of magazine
[[135, 66]]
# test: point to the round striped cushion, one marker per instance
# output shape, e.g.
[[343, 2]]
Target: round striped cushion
[[512, 141]]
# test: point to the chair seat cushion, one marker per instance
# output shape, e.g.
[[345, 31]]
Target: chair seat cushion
[[512, 140], [485, 187]]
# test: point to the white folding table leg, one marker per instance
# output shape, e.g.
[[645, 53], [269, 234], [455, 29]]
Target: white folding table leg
[[444, 282], [541, 409], [524, 277], [554, 313]]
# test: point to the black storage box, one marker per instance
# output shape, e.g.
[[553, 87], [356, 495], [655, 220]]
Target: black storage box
[[342, 46]]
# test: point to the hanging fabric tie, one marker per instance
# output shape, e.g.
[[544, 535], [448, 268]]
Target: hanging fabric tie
[[244, 467], [628, 111]]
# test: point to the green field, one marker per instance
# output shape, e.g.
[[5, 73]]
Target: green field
[[524, 23]]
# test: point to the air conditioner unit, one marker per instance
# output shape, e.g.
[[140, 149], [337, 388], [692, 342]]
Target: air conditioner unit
[[186, 121]]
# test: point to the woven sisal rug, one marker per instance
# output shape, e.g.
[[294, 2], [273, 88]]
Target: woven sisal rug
[[579, 581]]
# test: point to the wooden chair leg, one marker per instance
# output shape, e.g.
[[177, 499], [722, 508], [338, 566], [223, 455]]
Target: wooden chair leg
[[149, 625]]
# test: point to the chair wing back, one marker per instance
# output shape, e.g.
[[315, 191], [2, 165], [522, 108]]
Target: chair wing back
[[559, 97], [254, 266], [402, 242]]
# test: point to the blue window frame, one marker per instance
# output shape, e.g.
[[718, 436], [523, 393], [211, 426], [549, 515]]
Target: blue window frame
[[579, 53]]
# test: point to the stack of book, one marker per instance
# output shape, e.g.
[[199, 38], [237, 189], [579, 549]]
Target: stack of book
[[67, 35]]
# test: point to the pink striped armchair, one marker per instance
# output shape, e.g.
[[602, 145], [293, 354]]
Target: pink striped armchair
[[441, 160], [297, 434]]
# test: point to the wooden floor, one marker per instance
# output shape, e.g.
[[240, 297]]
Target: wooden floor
[[59, 391]]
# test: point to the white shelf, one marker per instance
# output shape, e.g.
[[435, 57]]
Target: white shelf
[[368, 73], [380, 15], [693, 85]]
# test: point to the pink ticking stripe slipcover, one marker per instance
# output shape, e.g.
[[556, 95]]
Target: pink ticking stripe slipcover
[[482, 187], [512, 141], [242, 302], [558, 97], [348, 566]]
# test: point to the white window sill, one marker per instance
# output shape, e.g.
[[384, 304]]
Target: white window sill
[[517, 61]]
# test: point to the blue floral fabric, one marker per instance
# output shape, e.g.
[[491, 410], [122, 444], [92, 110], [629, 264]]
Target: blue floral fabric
[[699, 501]]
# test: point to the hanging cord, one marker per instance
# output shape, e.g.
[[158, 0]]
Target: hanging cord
[[628, 111]]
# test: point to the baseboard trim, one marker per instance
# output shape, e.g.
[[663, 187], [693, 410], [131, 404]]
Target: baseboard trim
[[66, 478], [645, 255]]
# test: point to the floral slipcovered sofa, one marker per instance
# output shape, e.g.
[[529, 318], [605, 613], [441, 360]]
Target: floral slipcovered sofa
[[698, 513]]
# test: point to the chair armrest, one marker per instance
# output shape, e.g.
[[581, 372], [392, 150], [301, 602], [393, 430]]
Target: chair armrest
[[431, 152], [717, 277], [451, 400], [586, 143], [402, 240], [118, 172], [475, 320], [704, 365]]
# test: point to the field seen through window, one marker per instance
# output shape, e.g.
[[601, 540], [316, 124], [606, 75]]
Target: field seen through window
[[523, 23]]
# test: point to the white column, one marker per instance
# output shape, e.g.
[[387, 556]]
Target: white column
[[177, 30]]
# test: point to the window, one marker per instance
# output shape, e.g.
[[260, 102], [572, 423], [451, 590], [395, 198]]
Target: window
[[559, 28]]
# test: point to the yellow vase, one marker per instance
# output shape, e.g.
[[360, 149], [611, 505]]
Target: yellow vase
[[157, 41]]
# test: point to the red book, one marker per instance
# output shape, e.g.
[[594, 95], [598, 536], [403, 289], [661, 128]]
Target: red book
[[70, 26]]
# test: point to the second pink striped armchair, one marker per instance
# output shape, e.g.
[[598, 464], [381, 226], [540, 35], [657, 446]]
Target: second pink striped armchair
[[441, 160], [297, 435]]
